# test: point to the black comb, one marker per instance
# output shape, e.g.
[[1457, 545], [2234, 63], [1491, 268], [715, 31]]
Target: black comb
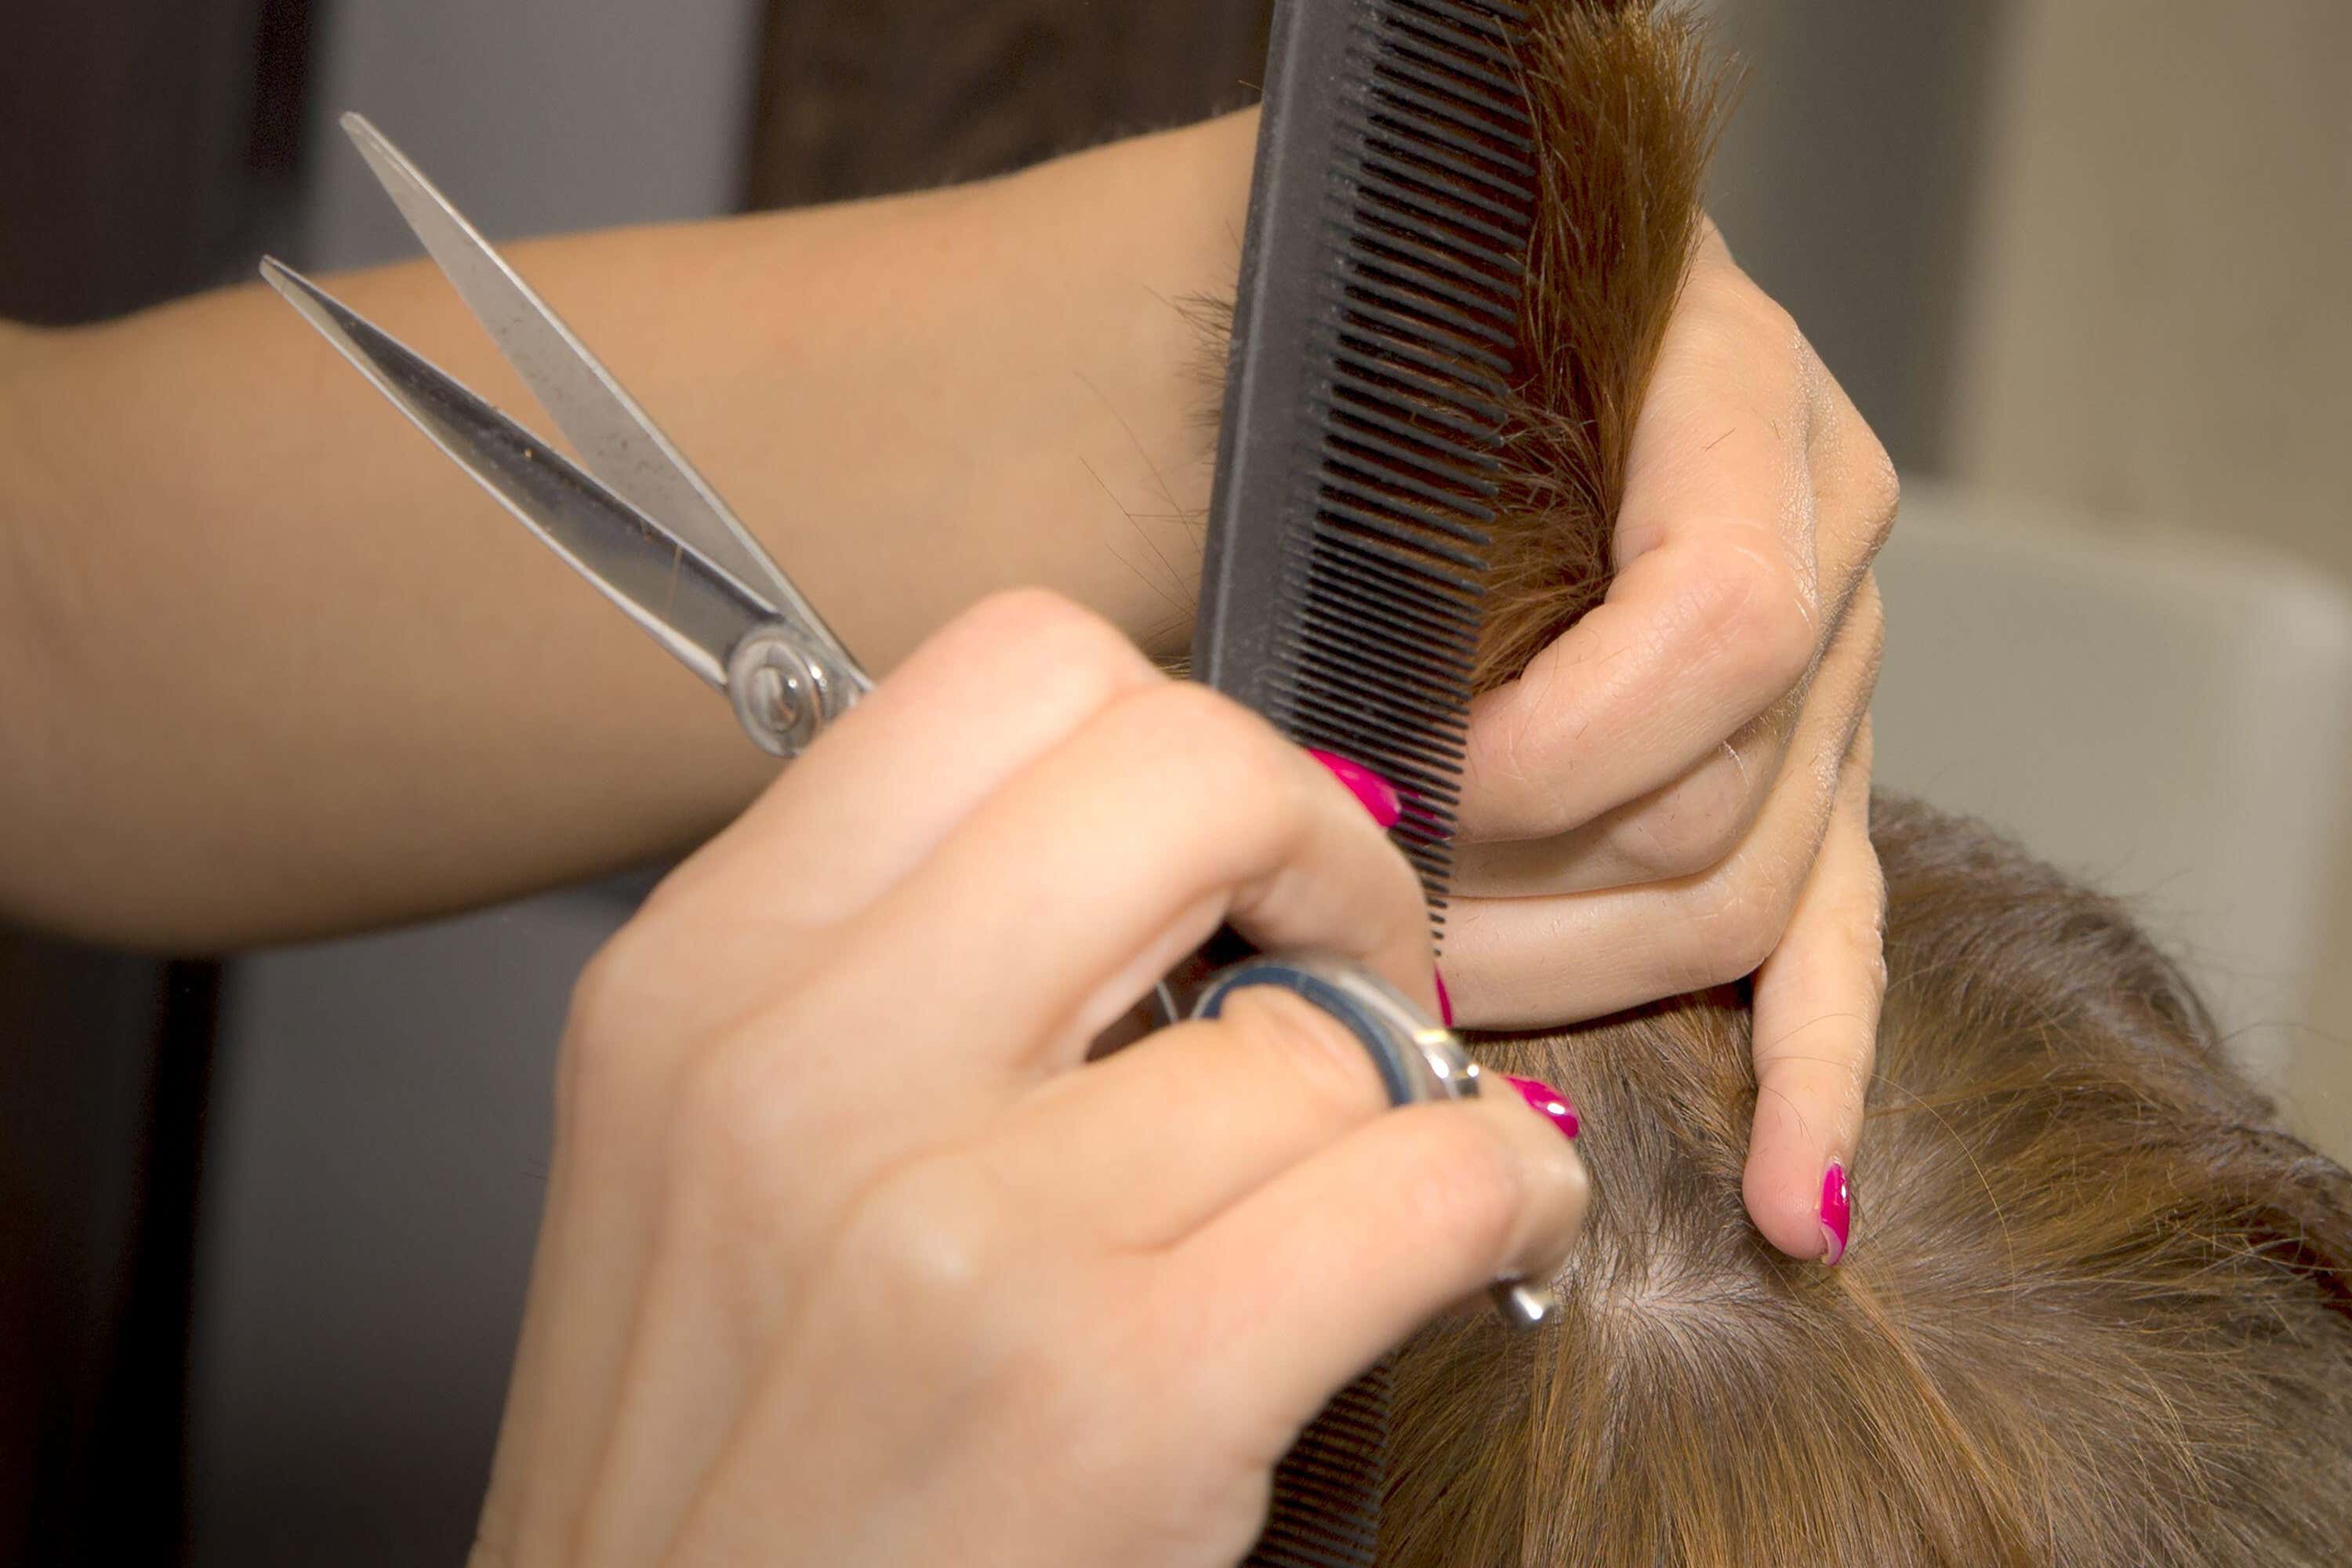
[[1390, 222], [1378, 312]]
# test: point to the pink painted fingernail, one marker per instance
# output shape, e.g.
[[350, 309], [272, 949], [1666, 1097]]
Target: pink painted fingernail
[[1837, 1214], [1549, 1100], [1379, 796], [1445, 1002]]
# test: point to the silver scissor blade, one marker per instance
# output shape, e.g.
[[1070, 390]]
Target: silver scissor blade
[[691, 607], [616, 438]]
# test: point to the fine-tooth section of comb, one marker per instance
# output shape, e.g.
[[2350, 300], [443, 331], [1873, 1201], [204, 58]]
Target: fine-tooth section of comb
[[1367, 394], [1368, 388]]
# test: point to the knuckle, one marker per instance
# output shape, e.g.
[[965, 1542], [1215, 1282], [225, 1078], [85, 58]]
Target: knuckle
[[1727, 294], [604, 1032], [1037, 619], [1774, 327], [1231, 761], [1701, 821], [1515, 756], [1741, 914], [1866, 937], [603, 992], [677, 893], [1752, 605], [1882, 492], [932, 1239], [732, 1136], [1870, 956]]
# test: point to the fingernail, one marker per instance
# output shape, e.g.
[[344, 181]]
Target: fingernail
[[1549, 1100], [1380, 796], [1445, 1002], [1837, 1214]]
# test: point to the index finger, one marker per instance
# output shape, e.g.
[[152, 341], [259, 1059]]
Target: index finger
[[1000, 686], [1715, 611]]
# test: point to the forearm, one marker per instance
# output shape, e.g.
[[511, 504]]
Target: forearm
[[276, 668]]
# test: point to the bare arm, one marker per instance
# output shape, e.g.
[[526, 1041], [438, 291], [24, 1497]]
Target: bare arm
[[270, 667]]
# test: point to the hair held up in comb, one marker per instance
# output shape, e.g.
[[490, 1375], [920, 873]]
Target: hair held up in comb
[[1626, 105]]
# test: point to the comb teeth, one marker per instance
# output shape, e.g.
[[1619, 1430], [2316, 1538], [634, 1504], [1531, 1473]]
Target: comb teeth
[[1389, 229], [1325, 1511], [1391, 218]]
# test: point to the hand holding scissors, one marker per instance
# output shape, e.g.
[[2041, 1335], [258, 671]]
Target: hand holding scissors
[[849, 1250]]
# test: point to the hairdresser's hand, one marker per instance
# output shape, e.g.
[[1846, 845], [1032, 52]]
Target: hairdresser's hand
[[849, 1259], [1676, 793]]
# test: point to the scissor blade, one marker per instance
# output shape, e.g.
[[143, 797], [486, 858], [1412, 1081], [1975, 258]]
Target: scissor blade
[[691, 607], [616, 438]]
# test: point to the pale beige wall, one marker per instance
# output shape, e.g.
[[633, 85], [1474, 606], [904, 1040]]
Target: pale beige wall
[[2159, 307]]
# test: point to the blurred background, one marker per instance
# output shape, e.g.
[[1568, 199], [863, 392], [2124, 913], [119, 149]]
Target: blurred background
[[2083, 264]]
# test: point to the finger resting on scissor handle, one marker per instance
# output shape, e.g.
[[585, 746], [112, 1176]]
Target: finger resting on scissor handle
[[1420, 1062], [701, 585]]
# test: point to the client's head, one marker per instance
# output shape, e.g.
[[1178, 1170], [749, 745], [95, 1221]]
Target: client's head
[[2098, 1311]]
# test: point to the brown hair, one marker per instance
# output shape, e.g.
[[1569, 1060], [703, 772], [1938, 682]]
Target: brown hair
[[1625, 109], [2095, 1311], [2098, 1309]]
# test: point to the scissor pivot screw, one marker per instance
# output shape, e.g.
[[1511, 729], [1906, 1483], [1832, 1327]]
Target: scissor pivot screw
[[779, 691]]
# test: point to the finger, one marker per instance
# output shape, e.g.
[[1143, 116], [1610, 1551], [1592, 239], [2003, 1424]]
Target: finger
[[1816, 1032], [1698, 819], [1302, 1284], [941, 719], [1855, 489], [1142, 1148], [997, 688], [1732, 561], [1004, 684], [1537, 961], [1714, 610], [1131, 1152], [1118, 852], [1679, 829]]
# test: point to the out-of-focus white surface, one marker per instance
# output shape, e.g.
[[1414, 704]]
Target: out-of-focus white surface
[[2167, 715]]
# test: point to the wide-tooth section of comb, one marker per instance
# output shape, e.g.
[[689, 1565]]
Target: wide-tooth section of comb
[[1326, 1491], [1388, 234]]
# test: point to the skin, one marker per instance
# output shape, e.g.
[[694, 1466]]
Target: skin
[[802, 1303], [1678, 792], [273, 670]]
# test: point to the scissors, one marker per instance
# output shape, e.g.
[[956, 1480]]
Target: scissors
[[648, 531], [696, 579]]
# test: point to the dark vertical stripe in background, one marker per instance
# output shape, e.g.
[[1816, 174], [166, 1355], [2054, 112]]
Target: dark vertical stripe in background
[[142, 142], [861, 96]]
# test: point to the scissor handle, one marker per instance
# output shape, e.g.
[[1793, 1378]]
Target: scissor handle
[[1419, 1061], [786, 689]]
